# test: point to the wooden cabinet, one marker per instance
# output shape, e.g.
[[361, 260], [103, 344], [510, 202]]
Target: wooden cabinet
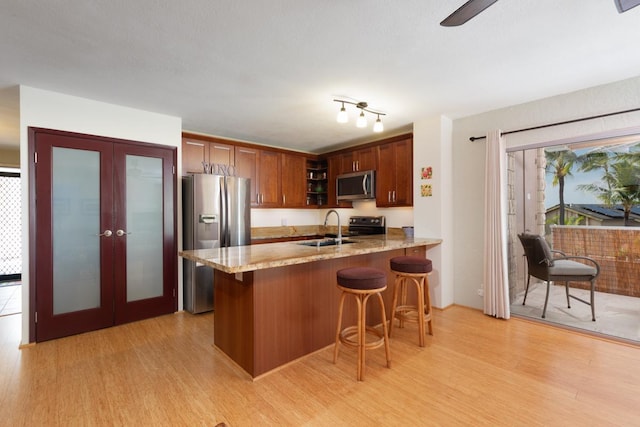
[[316, 183], [263, 168], [294, 187], [194, 154], [220, 155], [289, 180], [202, 156], [359, 160], [394, 183], [277, 179], [334, 168], [247, 167], [269, 182]]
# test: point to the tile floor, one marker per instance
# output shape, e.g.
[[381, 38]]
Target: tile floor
[[616, 315], [10, 298]]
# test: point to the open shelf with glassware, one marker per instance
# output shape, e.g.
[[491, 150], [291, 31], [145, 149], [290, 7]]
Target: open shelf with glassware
[[316, 182]]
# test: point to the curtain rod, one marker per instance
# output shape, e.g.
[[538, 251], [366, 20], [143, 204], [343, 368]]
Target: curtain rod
[[475, 138]]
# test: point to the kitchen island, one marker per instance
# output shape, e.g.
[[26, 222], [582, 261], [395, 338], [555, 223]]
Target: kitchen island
[[277, 302]]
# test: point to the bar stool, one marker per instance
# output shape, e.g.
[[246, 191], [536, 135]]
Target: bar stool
[[362, 282], [415, 270]]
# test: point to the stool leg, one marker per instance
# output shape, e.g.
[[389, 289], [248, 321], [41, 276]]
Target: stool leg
[[385, 332], [420, 291], [335, 350], [361, 335], [427, 305], [394, 304], [403, 297]]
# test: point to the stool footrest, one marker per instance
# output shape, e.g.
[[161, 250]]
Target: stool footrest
[[409, 313], [349, 337]]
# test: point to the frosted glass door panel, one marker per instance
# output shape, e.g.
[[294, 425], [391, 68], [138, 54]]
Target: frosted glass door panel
[[144, 218], [75, 213]]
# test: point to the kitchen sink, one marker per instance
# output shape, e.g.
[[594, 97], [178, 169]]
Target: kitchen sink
[[324, 242]]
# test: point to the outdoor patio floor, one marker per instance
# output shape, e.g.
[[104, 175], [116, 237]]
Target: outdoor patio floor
[[10, 298], [617, 316]]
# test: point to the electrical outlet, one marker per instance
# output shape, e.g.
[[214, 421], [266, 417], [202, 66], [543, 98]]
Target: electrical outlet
[[480, 292], [283, 222]]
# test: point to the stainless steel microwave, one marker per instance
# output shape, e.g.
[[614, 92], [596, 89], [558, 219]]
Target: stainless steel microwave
[[356, 185]]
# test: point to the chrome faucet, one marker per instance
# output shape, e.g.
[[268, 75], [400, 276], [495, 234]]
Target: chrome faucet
[[339, 238]]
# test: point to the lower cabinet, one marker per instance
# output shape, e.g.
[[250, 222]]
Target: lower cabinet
[[267, 318]]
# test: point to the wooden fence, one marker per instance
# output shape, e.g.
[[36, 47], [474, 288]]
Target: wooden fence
[[616, 249]]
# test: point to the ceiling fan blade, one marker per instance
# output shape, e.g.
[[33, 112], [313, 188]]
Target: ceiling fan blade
[[624, 5], [468, 11]]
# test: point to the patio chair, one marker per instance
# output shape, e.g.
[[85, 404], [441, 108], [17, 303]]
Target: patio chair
[[542, 264]]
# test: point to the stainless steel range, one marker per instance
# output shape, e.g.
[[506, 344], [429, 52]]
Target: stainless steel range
[[367, 225]]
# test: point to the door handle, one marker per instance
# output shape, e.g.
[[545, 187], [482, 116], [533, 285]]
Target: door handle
[[121, 233], [107, 233]]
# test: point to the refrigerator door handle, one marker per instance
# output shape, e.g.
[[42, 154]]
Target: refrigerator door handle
[[224, 217]]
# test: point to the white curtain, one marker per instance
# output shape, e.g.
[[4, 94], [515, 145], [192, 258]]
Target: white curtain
[[495, 280]]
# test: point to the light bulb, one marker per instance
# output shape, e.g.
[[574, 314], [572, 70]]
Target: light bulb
[[362, 120], [342, 115], [378, 126]]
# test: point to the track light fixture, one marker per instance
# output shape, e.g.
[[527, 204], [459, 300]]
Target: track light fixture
[[343, 117], [362, 120]]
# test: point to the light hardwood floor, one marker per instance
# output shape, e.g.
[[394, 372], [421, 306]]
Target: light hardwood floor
[[475, 371]]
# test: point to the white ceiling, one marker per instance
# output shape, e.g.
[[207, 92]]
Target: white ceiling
[[266, 71]]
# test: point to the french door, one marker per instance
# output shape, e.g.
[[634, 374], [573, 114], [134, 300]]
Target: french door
[[104, 235]]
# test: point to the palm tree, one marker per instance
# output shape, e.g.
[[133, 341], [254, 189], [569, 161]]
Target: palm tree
[[626, 190], [560, 163], [621, 182], [596, 160]]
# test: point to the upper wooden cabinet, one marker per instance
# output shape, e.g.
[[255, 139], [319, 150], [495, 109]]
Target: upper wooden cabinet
[[362, 159], [294, 183], [198, 155], [334, 168], [221, 154], [394, 183], [194, 153], [263, 168], [279, 178], [316, 182]]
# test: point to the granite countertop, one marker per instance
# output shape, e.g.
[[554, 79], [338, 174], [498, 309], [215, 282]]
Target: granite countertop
[[239, 259]]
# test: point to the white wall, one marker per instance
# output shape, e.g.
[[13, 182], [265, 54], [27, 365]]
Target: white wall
[[40, 108], [468, 160], [395, 217], [433, 215]]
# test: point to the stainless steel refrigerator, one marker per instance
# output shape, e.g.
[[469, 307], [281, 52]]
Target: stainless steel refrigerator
[[216, 213]]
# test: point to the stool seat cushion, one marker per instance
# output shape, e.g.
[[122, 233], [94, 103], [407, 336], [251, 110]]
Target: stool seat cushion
[[411, 264], [362, 278]]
